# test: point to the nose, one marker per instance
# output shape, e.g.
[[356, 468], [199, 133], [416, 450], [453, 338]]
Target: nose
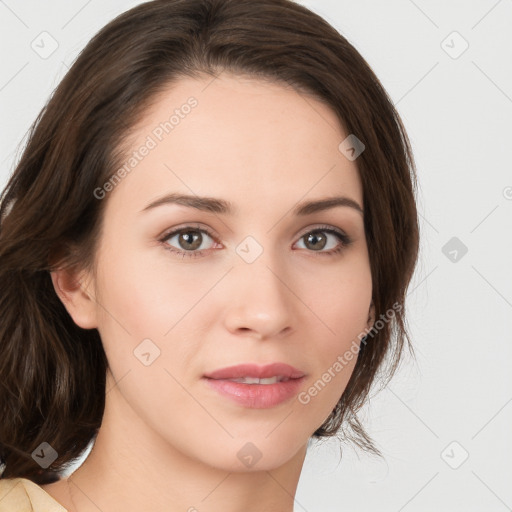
[[259, 303]]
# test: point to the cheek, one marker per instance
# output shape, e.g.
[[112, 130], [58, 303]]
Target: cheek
[[144, 295], [152, 305], [340, 301], [340, 297], [145, 332]]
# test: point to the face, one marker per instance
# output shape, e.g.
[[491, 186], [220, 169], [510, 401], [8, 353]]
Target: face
[[182, 290]]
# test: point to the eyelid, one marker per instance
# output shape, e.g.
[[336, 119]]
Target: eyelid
[[323, 227], [191, 226]]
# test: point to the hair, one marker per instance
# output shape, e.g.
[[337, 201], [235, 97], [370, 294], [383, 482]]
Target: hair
[[53, 372]]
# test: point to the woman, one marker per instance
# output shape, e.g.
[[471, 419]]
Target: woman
[[205, 250]]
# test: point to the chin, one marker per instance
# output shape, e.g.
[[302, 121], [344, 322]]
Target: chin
[[257, 453]]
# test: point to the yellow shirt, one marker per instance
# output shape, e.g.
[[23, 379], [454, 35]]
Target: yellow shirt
[[23, 495]]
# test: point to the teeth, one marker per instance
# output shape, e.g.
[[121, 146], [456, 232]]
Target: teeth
[[255, 380]]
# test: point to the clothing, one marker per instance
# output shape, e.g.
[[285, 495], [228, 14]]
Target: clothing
[[23, 495]]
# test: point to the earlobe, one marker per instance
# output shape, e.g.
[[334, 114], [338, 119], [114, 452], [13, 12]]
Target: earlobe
[[80, 303]]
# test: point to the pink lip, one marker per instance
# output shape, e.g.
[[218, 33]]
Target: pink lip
[[257, 396], [254, 370]]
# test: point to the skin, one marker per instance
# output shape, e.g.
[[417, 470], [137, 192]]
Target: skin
[[167, 441]]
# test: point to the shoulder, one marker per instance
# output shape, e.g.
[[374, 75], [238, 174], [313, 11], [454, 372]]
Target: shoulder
[[23, 495]]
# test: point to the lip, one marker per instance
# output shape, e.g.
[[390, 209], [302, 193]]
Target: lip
[[257, 371], [256, 396]]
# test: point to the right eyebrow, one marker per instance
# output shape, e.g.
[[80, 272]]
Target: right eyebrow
[[207, 204]]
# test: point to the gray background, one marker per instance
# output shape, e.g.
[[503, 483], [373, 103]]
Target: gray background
[[444, 422]]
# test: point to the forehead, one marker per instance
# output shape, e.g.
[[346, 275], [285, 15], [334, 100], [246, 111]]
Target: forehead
[[243, 139]]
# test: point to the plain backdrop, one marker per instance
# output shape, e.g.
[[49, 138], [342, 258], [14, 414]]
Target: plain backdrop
[[444, 421]]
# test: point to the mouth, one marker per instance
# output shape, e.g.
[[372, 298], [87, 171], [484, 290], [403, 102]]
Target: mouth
[[257, 387]]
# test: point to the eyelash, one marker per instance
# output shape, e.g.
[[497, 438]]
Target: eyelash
[[346, 241]]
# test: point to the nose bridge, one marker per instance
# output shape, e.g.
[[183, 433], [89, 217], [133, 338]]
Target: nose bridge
[[260, 301]]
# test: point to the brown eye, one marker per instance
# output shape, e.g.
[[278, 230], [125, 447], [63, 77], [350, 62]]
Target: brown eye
[[318, 240], [189, 241], [315, 240]]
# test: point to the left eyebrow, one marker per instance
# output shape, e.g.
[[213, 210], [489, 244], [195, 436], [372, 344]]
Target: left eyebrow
[[221, 206], [318, 205]]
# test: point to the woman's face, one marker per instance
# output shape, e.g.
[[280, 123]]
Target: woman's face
[[249, 285]]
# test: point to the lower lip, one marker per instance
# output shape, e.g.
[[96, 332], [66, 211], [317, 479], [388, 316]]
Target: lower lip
[[257, 396]]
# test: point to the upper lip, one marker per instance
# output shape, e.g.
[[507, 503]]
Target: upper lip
[[256, 371]]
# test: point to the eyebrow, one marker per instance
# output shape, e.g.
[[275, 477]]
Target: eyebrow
[[221, 206]]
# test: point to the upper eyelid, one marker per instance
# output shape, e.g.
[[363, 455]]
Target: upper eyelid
[[173, 231]]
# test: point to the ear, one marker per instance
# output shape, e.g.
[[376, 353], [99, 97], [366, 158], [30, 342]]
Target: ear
[[72, 289]]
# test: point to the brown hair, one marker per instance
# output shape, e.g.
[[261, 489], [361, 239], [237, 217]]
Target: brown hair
[[52, 372]]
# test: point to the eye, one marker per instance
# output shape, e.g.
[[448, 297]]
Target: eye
[[318, 239], [189, 240]]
